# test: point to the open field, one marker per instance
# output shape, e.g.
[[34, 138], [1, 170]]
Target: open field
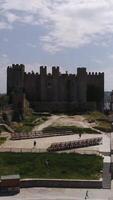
[[60, 166]]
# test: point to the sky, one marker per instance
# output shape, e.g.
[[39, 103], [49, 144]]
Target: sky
[[65, 33]]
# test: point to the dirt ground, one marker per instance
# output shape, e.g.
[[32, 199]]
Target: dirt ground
[[64, 120], [75, 120]]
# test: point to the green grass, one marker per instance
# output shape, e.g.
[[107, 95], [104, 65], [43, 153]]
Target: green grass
[[2, 140], [61, 166], [101, 120], [73, 129], [28, 123], [95, 116], [2, 129], [104, 126]]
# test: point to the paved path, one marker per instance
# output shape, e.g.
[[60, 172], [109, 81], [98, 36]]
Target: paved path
[[47, 123], [44, 143], [106, 172], [61, 194]]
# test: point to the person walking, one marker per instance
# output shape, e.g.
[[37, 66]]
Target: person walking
[[86, 196], [79, 135], [34, 144]]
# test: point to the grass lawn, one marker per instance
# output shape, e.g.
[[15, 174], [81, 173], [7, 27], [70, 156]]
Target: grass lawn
[[104, 126], [2, 140], [95, 116], [66, 166], [73, 129], [102, 122], [2, 128], [28, 123]]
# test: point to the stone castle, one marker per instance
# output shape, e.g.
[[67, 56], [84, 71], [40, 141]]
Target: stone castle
[[55, 92]]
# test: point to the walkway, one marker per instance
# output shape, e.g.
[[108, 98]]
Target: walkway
[[61, 194]]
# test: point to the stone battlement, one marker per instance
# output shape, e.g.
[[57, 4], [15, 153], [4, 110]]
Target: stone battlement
[[95, 74], [55, 71], [16, 67]]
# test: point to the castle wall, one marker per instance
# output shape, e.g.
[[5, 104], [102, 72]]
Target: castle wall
[[43, 83], [31, 86], [56, 91], [55, 83], [72, 88], [95, 85], [96, 79], [82, 85]]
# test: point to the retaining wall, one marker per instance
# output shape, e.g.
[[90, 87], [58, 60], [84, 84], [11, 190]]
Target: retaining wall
[[57, 183]]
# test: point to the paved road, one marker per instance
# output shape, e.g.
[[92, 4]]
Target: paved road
[[44, 143], [61, 194]]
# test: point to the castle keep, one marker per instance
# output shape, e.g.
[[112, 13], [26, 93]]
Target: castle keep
[[55, 92]]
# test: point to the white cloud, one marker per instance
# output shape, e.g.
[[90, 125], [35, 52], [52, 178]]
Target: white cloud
[[69, 23], [4, 59], [31, 45], [11, 17], [4, 25], [4, 62]]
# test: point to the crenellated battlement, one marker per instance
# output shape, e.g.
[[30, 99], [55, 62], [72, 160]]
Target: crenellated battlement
[[16, 67], [31, 74], [81, 72], [95, 74]]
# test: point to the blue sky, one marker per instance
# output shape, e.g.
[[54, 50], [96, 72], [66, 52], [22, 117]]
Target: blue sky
[[68, 33]]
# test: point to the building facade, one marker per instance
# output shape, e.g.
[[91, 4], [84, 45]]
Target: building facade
[[56, 92]]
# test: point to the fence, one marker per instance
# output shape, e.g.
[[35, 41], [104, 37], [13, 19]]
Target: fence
[[35, 150], [22, 150], [74, 144]]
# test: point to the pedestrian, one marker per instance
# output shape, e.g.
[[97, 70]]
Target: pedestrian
[[47, 163], [34, 143], [79, 135], [86, 196]]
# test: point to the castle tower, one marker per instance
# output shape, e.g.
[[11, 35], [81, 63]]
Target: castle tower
[[15, 78], [43, 74], [55, 74], [82, 85], [15, 88]]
